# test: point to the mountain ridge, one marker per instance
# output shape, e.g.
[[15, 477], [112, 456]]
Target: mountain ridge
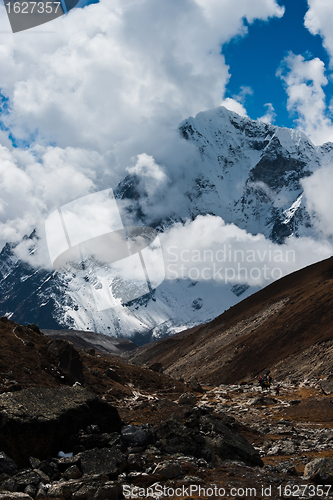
[[269, 330], [247, 172]]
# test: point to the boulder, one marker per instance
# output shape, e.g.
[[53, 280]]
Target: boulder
[[156, 367], [28, 477], [135, 462], [65, 463], [195, 385], [327, 387], [175, 437], [86, 488], [138, 435], [7, 465], [90, 441], [113, 375], [169, 470], [68, 359], [320, 471], [39, 421], [107, 461], [35, 328], [285, 467], [72, 472], [187, 399], [227, 444], [207, 437], [264, 400]]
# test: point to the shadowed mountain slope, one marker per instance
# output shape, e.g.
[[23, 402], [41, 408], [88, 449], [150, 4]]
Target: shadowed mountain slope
[[287, 327]]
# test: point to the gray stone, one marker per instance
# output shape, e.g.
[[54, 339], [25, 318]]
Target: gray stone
[[194, 385], [47, 468], [264, 400], [41, 493], [86, 492], [169, 470], [327, 387], [8, 485], [65, 462], [107, 461], [212, 440], [30, 477], [30, 490], [135, 462], [90, 441], [59, 490], [320, 471], [7, 465], [138, 435], [73, 472], [188, 399]]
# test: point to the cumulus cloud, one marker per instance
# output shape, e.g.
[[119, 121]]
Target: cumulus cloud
[[304, 81], [269, 116], [36, 181], [208, 249], [118, 66], [106, 90], [318, 21], [318, 191], [234, 105]]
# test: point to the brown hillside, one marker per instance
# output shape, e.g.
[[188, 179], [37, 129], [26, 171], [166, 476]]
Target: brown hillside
[[25, 362], [286, 327]]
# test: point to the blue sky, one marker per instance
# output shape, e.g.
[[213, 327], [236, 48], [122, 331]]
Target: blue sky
[[255, 58]]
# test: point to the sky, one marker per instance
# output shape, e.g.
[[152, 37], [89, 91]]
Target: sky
[[255, 59], [100, 92]]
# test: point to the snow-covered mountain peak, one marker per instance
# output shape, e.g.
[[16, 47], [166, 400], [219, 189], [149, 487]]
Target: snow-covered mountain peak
[[247, 172]]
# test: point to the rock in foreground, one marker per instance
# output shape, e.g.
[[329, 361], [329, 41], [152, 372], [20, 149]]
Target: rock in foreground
[[39, 421]]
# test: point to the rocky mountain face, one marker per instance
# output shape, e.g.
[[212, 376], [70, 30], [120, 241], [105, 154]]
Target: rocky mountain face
[[126, 430], [247, 172], [253, 170]]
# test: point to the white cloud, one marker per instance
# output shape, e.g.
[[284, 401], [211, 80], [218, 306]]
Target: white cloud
[[35, 182], [209, 249], [269, 116], [111, 83], [318, 20], [120, 66], [234, 105], [304, 81], [318, 191]]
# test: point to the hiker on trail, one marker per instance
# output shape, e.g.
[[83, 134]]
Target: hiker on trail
[[270, 380], [277, 390]]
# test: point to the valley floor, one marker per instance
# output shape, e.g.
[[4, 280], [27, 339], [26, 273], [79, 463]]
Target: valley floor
[[289, 430]]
